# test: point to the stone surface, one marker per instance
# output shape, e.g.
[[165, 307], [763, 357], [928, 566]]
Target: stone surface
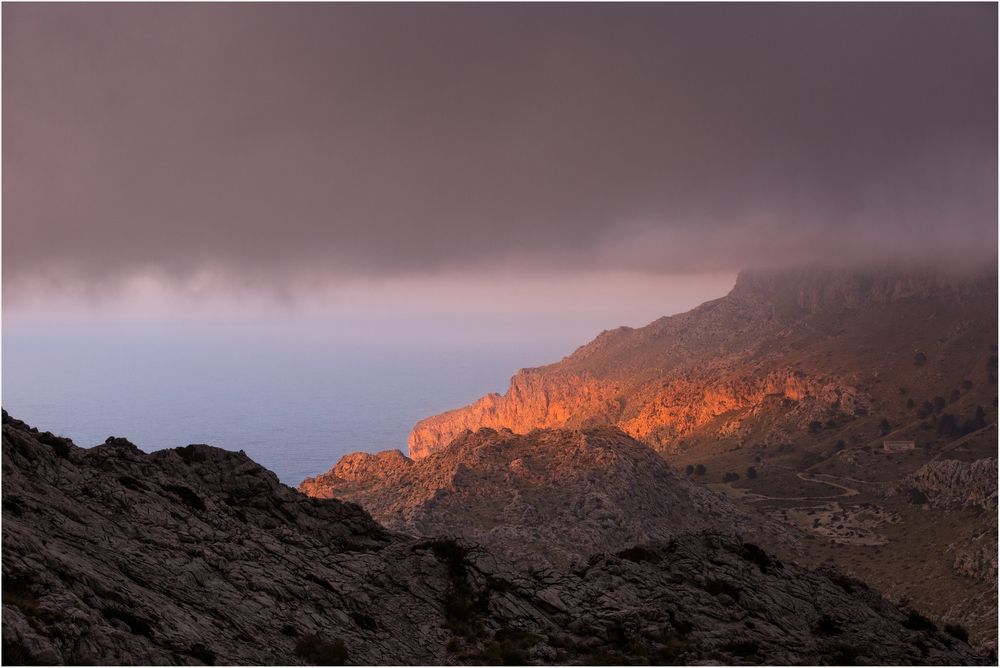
[[950, 483], [199, 555], [788, 334], [550, 497]]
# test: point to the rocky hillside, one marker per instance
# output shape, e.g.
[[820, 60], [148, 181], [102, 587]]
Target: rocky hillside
[[551, 496], [802, 346], [951, 483], [199, 556], [783, 394]]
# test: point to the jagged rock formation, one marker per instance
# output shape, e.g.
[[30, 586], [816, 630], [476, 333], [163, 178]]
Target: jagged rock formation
[[198, 555], [784, 392], [949, 483], [551, 496], [803, 337]]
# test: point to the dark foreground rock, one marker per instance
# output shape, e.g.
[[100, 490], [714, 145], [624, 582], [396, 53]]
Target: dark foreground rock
[[198, 555], [551, 497]]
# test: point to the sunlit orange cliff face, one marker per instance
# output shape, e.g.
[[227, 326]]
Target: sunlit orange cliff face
[[794, 347]]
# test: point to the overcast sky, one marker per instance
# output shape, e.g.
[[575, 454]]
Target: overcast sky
[[279, 148]]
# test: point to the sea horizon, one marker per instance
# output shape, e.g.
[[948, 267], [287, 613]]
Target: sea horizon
[[295, 408]]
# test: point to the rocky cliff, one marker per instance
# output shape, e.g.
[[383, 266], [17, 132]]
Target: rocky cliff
[[199, 556], [805, 336], [782, 395], [551, 497], [950, 483]]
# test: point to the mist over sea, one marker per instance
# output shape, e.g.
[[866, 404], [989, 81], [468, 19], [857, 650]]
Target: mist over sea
[[295, 404]]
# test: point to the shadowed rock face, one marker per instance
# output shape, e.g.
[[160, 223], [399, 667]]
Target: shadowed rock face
[[198, 555], [799, 335], [949, 483], [551, 496]]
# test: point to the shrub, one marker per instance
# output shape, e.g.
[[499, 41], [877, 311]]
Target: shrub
[[509, 647], [828, 626], [16, 654], [948, 425], [690, 469], [61, 446], [639, 555], [755, 554], [920, 359], [884, 426], [957, 631], [742, 648], [202, 653], [751, 473], [810, 459], [699, 469], [136, 624], [815, 426], [966, 384], [320, 652], [732, 476], [187, 495], [917, 622], [842, 654]]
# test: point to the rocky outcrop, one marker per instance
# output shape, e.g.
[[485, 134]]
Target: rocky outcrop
[[949, 483], [655, 412], [551, 496], [199, 556], [777, 334]]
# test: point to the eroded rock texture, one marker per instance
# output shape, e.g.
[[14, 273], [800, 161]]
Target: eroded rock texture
[[198, 555], [815, 339], [551, 496]]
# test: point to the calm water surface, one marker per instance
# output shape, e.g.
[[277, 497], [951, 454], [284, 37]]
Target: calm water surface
[[294, 404]]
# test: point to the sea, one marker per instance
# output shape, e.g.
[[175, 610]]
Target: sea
[[295, 405]]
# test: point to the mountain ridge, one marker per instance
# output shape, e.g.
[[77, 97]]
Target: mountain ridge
[[662, 381], [551, 496], [199, 556]]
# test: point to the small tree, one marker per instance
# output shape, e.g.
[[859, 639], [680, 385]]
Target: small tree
[[884, 426], [690, 469], [948, 425], [920, 359], [699, 469], [751, 473]]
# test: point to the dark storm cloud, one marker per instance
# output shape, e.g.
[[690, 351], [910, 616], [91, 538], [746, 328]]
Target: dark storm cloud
[[272, 139]]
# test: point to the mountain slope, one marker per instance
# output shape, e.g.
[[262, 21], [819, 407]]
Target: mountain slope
[[198, 555], [782, 394], [799, 345], [550, 497]]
